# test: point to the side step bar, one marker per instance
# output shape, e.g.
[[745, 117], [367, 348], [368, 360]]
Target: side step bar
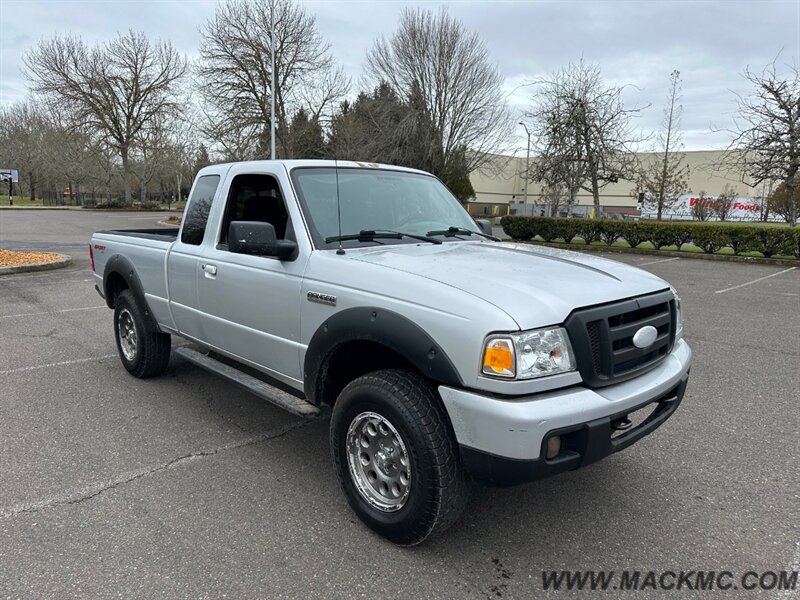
[[293, 404]]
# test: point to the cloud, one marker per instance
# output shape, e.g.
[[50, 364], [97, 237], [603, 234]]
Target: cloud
[[635, 42]]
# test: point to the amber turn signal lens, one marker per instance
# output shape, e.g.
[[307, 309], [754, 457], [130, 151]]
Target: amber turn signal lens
[[498, 358]]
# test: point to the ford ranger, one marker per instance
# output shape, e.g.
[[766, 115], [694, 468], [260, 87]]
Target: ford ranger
[[444, 354]]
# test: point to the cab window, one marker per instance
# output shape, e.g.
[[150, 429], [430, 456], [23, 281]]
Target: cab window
[[256, 197], [196, 216]]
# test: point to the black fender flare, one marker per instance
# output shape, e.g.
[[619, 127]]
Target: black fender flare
[[390, 329], [122, 266]]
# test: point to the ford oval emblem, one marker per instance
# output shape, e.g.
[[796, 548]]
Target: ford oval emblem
[[645, 337]]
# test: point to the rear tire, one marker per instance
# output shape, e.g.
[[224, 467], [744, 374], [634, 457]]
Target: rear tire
[[396, 456], [144, 350]]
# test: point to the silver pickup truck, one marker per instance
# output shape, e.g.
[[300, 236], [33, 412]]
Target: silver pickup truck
[[446, 355]]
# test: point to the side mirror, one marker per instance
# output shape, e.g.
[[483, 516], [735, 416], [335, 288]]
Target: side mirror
[[259, 239], [485, 225]]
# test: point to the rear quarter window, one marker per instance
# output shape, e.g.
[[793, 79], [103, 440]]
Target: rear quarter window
[[196, 217]]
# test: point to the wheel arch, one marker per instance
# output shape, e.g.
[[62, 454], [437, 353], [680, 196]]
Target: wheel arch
[[119, 274], [381, 339]]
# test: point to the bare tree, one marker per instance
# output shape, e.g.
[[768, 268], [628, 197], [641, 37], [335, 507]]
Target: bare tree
[[116, 89], [702, 207], [236, 68], [766, 145], [664, 180], [555, 197], [22, 129], [724, 204], [778, 201], [434, 63], [581, 128]]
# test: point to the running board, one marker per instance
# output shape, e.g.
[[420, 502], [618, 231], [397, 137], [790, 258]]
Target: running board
[[285, 400]]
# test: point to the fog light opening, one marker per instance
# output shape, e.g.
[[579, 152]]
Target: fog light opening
[[553, 446]]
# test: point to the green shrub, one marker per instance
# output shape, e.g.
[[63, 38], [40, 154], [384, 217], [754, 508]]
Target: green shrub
[[657, 233], [569, 229], [682, 233], [517, 228], [633, 233], [547, 229], [589, 229], [743, 238], [710, 237], [775, 240], [662, 234], [611, 231], [111, 204]]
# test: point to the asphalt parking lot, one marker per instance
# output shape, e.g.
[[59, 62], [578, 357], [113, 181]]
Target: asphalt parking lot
[[185, 487]]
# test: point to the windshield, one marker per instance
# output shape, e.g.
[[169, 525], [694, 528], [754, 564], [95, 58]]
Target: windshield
[[376, 200]]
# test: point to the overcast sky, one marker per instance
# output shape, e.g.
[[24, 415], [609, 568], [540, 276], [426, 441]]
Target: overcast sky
[[635, 42]]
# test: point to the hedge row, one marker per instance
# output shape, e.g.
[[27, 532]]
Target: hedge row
[[709, 237]]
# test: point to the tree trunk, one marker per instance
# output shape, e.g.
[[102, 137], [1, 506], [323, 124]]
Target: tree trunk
[[596, 193], [32, 179], [126, 176]]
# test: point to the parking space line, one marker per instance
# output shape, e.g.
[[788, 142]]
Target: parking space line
[[655, 262], [741, 285], [57, 364], [51, 312]]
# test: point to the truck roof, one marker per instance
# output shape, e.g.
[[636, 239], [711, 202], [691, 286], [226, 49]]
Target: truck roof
[[293, 163]]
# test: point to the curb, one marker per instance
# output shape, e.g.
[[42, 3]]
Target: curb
[[65, 261], [98, 210], [12, 208], [668, 253]]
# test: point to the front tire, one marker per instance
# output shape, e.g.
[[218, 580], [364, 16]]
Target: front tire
[[396, 456], [143, 350]]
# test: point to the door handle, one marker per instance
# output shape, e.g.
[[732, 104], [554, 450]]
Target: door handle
[[210, 271]]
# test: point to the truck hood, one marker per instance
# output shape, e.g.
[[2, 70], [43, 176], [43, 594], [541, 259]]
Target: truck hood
[[535, 285]]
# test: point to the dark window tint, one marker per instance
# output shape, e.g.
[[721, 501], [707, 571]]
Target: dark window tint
[[255, 198], [196, 215]]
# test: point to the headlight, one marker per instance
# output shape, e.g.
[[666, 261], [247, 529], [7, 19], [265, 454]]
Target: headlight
[[528, 354], [678, 315]]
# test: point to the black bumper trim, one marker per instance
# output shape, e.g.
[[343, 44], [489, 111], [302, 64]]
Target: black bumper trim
[[581, 445]]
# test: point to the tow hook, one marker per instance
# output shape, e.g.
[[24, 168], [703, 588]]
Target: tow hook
[[621, 424]]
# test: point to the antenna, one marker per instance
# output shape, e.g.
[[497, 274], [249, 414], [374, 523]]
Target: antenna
[[340, 251]]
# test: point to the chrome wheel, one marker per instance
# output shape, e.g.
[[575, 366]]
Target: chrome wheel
[[378, 461], [127, 334]]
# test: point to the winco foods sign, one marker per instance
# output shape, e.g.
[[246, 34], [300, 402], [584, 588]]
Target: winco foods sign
[[742, 209]]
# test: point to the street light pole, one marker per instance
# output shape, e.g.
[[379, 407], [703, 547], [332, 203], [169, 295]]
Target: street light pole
[[272, 76], [527, 161]]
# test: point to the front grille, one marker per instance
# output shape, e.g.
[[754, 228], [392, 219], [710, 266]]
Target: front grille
[[602, 337]]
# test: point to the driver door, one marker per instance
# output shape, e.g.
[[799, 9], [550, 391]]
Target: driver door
[[252, 303]]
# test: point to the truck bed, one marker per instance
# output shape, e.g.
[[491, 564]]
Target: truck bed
[[160, 233]]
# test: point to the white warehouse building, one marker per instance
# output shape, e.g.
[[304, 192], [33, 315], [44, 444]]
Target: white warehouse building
[[500, 188]]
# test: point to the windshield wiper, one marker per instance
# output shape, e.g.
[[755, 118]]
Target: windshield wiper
[[370, 235], [454, 231]]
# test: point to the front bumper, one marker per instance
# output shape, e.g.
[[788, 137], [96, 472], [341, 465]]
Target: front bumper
[[502, 440]]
